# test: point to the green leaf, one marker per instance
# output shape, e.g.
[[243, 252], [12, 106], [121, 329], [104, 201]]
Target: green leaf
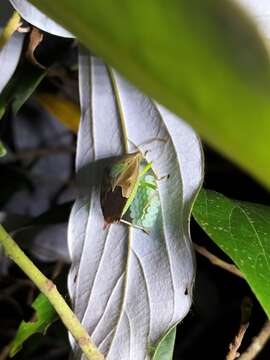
[[44, 316], [242, 231], [3, 150], [202, 59], [20, 87], [164, 349]]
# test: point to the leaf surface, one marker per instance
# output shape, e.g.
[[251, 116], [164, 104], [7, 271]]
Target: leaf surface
[[44, 316], [242, 231], [129, 288], [9, 58], [35, 17], [204, 60]]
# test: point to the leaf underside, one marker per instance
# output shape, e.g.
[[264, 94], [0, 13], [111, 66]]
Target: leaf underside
[[129, 288]]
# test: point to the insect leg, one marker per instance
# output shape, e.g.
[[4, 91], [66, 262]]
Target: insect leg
[[164, 177], [134, 226]]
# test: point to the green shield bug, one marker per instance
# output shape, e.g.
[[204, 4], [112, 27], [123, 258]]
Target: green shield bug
[[120, 184], [125, 180]]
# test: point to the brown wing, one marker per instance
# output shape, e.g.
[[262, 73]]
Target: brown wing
[[127, 179], [112, 201], [112, 205]]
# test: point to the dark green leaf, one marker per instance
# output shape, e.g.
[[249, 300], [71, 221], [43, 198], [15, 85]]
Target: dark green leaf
[[21, 86], [3, 150], [242, 231], [202, 59], [44, 316]]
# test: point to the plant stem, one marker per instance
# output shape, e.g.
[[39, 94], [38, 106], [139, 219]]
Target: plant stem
[[258, 343], [48, 288], [11, 26], [217, 261]]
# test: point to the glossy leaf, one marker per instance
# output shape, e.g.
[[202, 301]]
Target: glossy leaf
[[128, 288], [242, 231], [44, 316], [202, 59]]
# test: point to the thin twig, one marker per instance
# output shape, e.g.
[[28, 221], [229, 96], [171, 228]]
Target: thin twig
[[244, 323], [134, 226], [217, 261], [257, 344], [237, 341], [48, 288]]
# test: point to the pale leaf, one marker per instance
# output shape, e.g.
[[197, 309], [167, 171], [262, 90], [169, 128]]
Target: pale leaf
[[35, 17], [128, 288], [9, 58], [260, 12]]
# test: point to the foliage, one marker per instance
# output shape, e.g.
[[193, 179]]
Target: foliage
[[43, 317]]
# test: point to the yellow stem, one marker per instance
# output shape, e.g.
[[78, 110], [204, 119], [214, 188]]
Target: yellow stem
[[48, 288], [11, 26]]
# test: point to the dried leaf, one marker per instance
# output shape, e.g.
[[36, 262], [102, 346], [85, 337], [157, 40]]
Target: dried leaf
[[67, 112], [36, 37]]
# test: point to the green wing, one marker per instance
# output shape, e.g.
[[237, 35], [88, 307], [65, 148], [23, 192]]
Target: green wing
[[117, 169]]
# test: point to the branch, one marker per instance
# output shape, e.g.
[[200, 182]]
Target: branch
[[244, 323], [258, 343], [237, 341], [48, 288], [217, 261]]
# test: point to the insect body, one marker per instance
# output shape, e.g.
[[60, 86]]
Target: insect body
[[120, 185], [144, 209]]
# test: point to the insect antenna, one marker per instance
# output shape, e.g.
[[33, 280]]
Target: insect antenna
[[147, 142]]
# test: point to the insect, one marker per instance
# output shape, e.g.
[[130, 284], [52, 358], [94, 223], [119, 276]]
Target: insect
[[120, 185], [144, 209]]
